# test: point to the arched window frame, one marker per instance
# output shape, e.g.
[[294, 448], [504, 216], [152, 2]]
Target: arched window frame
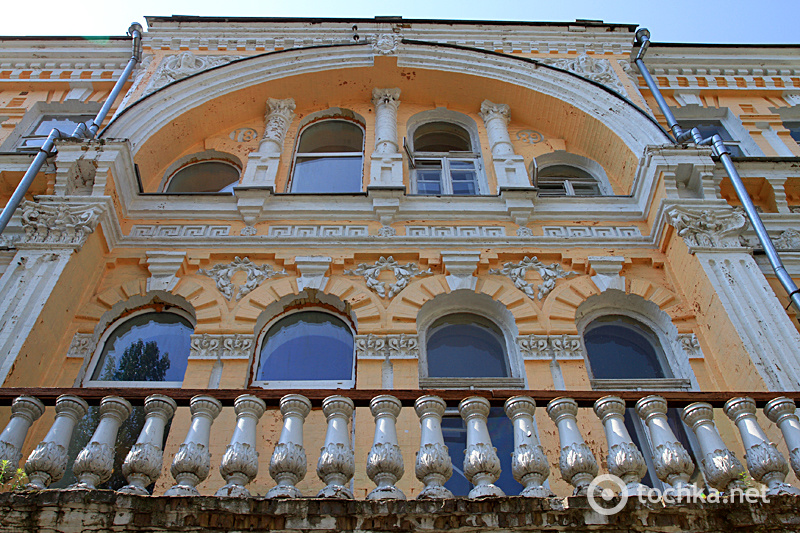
[[95, 360], [675, 360], [300, 384], [466, 301], [207, 156], [580, 163], [330, 115], [458, 119]]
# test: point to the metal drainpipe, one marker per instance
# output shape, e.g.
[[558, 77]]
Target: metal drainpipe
[[81, 132], [718, 148]]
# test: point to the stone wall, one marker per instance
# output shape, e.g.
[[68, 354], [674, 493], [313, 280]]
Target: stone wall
[[106, 511]]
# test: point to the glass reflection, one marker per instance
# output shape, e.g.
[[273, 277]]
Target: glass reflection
[[463, 345], [307, 346], [621, 348], [148, 347]]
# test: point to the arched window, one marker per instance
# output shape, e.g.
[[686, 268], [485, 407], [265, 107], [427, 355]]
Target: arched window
[[631, 344], [210, 171], [565, 180], [329, 158], [464, 345], [204, 176], [306, 349], [562, 173], [619, 347], [445, 158], [148, 347]]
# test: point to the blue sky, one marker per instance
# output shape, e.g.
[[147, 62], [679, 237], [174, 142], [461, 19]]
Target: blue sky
[[710, 21]]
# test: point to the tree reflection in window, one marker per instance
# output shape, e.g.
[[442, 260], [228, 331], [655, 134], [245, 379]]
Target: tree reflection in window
[[147, 347]]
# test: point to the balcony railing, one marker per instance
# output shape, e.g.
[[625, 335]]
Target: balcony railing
[[579, 467]]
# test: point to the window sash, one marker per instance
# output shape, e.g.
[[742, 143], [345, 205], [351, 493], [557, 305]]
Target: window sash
[[451, 175]]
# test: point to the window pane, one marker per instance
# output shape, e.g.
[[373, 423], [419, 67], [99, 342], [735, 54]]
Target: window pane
[[794, 130], [621, 348], [585, 189], [429, 177], [564, 171], [148, 347], [331, 136], [463, 177], [552, 188], [502, 434], [327, 174], [205, 176], [466, 346], [307, 346], [441, 137]]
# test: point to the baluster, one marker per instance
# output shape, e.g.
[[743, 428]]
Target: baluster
[[765, 463], [782, 412], [722, 469], [528, 462], [385, 462], [672, 462], [142, 465], [25, 410], [191, 464], [577, 463], [48, 462], [481, 465], [433, 466], [337, 463], [624, 460], [288, 463], [95, 462], [240, 462]]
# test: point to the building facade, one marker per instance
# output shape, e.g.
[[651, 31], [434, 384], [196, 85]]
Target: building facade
[[369, 212]]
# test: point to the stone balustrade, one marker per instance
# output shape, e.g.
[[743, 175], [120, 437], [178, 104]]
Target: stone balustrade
[[670, 461]]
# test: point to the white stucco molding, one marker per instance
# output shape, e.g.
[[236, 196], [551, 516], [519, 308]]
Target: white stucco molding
[[312, 271], [607, 271], [396, 346], [460, 267], [163, 266], [150, 114], [709, 229]]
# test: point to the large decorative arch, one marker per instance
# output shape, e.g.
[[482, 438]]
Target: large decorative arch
[[555, 93]]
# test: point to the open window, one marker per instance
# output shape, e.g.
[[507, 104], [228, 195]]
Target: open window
[[444, 155], [42, 117], [562, 173], [329, 158]]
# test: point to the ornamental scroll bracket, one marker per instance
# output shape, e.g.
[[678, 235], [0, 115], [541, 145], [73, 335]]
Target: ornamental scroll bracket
[[402, 273], [223, 275], [549, 274]]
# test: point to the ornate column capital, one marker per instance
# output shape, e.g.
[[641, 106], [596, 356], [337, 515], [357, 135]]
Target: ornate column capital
[[651, 406], [279, 116], [430, 406], [58, 226], [708, 229], [490, 110], [518, 406], [382, 97]]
